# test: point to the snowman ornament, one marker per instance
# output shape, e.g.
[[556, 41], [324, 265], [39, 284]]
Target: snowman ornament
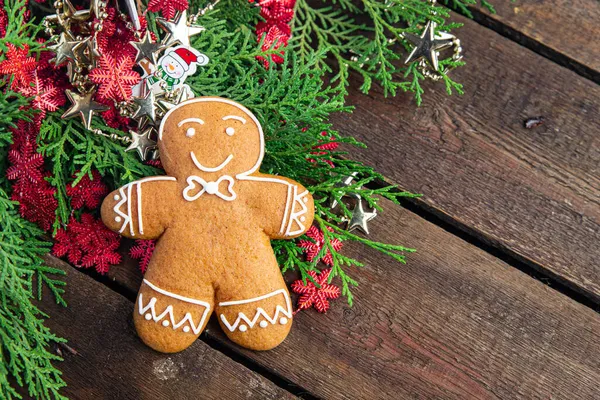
[[174, 66]]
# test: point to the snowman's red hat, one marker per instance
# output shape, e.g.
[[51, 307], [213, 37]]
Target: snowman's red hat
[[186, 57]]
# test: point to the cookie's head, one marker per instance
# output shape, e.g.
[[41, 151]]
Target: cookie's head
[[210, 137]]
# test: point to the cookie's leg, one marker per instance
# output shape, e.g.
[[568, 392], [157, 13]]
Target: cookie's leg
[[255, 313], [169, 321]]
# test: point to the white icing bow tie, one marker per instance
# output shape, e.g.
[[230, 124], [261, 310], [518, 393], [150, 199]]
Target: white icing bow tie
[[209, 188]]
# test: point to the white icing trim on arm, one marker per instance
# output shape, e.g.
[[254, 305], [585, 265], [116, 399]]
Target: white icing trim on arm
[[121, 216], [126, 198], [297, 216], [292, 199]]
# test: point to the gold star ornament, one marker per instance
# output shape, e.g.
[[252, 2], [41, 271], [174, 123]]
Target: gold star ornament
[[179, 31], [428, 45], [142, 143], [146, 107], [84, 105], [65, 49], [360, 217], [146, 49]]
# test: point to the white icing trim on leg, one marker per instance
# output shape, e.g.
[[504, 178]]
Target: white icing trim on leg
[[152, 315], [259, 311]]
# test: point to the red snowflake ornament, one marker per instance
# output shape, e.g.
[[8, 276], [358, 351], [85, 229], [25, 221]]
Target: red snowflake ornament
[[142, 251], [26, 163], [19, 65], [313, 296], [275, 29], [324, 149], [88, 192], [46, 95], [36, 197], [3, 19], [312, 248], [168, 8], [116, 77], [88, 243], [37, 201]]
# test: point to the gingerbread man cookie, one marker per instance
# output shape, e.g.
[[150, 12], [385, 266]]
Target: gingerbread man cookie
[[214, 215]]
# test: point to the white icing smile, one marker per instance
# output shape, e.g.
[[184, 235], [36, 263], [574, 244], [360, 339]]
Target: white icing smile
[[209, 169]]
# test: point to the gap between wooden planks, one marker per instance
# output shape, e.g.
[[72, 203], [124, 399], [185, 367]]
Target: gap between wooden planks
[[566, 31], [534, 193], [112, 363], [453, 323]]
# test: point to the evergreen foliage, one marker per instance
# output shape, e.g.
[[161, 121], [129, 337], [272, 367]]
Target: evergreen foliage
[[293, 102]]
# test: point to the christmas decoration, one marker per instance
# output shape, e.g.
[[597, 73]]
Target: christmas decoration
[[19, 65], [274, 31], [174, 66], [75, 96], [168, 8], [142, 251], [360, 217], [115, 77], [427, 49], [315, 293], [314, 248], [88, 243], [87, 192], [82, 104], [179, 30]]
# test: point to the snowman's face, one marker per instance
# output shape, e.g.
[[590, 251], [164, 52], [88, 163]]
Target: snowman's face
[[172, 67], [210, 137]]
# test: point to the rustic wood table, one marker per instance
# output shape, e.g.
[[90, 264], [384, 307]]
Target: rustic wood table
[[501, 299]]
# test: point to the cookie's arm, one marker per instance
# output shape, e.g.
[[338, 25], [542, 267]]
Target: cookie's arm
[[138, 210], [286, 207]]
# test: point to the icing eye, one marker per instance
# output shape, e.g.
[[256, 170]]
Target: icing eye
[[230, 131], [190, 132]]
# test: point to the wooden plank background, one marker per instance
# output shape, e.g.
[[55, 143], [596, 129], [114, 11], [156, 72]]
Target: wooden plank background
[[563, 30], [535, 193], [112, 363], [455, 322]]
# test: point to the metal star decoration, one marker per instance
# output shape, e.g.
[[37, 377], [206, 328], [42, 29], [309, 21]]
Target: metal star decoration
[[146, 107], [146, 49], [64, 49], [178, 31], [360, 217], [98, 7], [428, 45], [68, 16], [181, 95], [346, 182], [84, 105], [142, 142], [82, 51]]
